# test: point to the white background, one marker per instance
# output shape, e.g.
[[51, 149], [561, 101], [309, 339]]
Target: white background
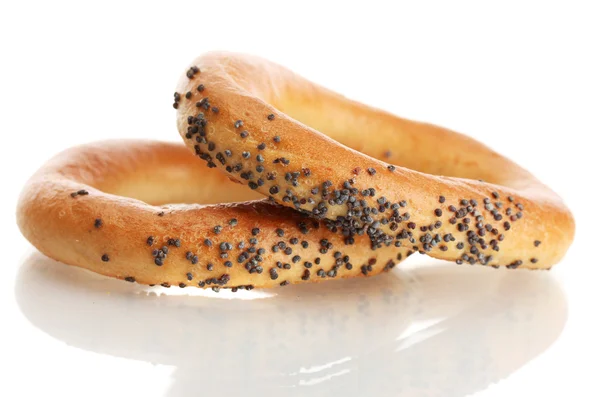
[[522, 77]]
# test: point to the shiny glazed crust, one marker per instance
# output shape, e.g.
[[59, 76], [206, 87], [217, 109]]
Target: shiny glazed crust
[[491, 210], [352, 191], [101, 207]]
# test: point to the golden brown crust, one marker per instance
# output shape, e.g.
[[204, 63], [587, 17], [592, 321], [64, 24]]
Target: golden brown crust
[[64, 226], [105, 206], [513, 219]]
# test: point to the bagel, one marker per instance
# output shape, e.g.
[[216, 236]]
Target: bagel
[[104, 207], [351, 191], [366, 171]]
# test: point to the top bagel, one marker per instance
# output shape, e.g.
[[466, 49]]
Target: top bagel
[[308, 148]]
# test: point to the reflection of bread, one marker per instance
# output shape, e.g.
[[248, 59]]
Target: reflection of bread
[[431, 331]]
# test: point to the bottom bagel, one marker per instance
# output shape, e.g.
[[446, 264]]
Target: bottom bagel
[[108, 207]]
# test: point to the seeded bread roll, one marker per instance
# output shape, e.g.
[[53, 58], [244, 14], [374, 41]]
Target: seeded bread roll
[[433, 190], [102, 207], [354, 199]]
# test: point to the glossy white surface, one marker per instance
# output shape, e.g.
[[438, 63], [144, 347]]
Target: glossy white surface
[[433, 330], [522, 78]]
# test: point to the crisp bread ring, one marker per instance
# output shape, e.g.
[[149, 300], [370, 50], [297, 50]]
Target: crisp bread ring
[[103, 207], [305, 147]]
